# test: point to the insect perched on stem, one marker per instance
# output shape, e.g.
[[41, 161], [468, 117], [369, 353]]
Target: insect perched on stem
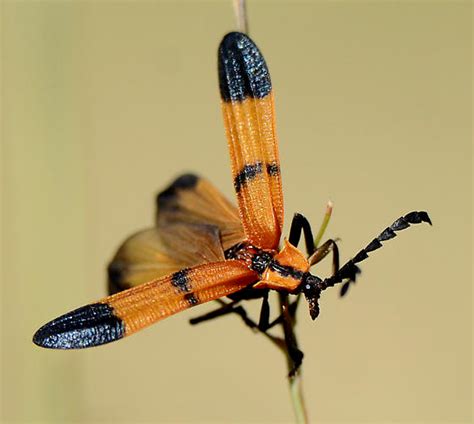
[[202, 247]]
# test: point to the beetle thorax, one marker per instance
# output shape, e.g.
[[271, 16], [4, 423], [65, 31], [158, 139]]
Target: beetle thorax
[[283, 270]]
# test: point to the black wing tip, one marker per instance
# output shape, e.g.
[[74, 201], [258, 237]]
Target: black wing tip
[[242, 69], [183, 182], [88, 326], [186, 181], [231, 39]]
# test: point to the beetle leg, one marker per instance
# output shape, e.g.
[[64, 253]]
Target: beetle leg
[[226, 308], [299, 225]]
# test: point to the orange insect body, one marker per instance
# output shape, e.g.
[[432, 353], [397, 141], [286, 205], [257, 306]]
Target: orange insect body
[[202, 248], [283, 270], [295, 262]]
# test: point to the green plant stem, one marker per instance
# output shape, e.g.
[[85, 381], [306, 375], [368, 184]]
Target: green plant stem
[[324, 224], [295, 379], [297, 399], [240, 11]]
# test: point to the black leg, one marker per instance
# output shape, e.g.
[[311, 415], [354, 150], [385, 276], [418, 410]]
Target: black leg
[[294, 354], [226, 308], [300, 224], [231, 308], [323, 250], [263, 321], [279, 319]]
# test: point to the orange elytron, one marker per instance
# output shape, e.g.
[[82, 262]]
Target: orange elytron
[[203, 248]]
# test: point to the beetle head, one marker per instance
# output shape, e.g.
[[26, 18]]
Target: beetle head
[[312, 287]]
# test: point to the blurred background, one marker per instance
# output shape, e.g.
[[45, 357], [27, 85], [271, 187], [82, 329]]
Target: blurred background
[[105, 102]]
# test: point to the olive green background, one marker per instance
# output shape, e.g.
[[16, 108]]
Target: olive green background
[[104, 102]]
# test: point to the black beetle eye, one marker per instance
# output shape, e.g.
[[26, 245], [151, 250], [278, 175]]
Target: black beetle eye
[[312, 291], [311, 284]]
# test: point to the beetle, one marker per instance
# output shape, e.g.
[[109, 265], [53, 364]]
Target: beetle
[[202, 247]]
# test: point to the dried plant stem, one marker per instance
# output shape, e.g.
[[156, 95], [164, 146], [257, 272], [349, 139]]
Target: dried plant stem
[[240, 11]]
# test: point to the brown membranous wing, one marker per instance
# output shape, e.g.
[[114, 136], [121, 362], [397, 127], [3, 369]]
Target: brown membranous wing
[[195, 223]]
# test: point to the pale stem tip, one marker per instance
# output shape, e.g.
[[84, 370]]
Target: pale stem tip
[[329, 206]]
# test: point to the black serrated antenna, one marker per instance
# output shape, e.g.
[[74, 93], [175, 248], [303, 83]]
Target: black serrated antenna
[[350, 269]]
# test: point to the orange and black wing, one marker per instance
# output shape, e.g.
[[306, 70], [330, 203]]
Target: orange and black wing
[[195, 225], [124, 313], [249, 119]]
